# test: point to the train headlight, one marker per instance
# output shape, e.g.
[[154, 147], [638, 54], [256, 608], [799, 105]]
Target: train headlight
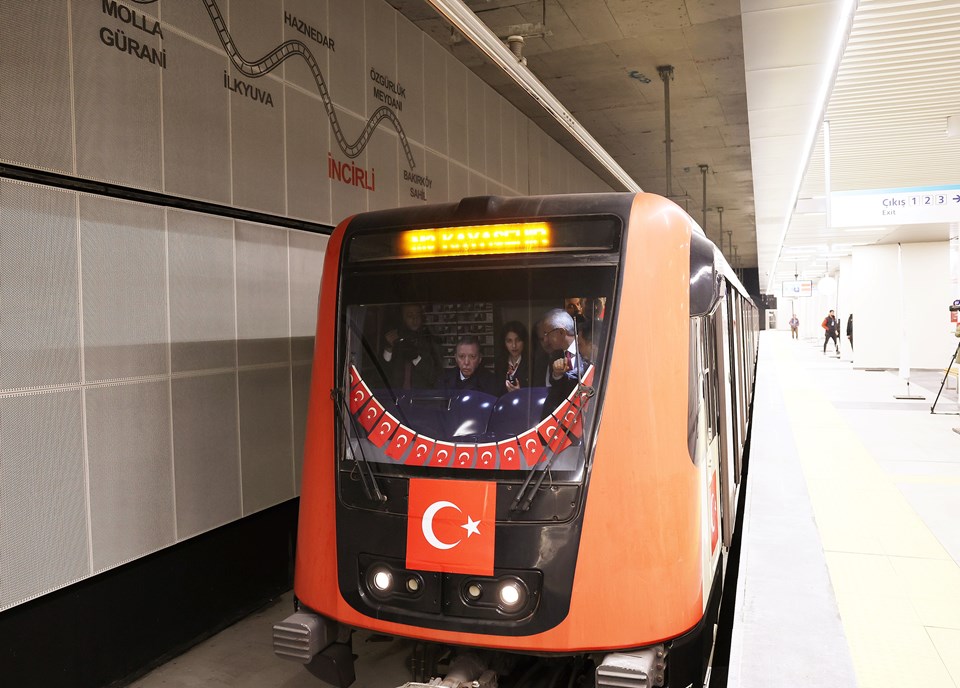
[[413, 584], [512, 593], [474, 591], [381, 580]]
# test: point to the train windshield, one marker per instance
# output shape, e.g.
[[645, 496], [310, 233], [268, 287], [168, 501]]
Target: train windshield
[[475, 366]]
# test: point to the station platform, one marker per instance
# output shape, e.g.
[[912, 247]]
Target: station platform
[[850, 565], [850, 561]]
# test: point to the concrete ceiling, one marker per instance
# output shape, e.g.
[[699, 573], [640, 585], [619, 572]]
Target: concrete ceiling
[[586, 58], [753, 82]]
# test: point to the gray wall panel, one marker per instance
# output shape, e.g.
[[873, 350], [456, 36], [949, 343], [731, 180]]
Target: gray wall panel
[[266, 442], [196, 122], [348, 75], [436, 169], [508, 144], [457, 131], [435, 81], [202, 309], [124, 289], [308, 24], [307, 146], [476, 121], [306, 269], [406, 197], [256, 127], [383, 153], [131, 471], [347, 199], [263, 323], [457, 179], [206, 451], [493, 135], [380, 40], [35, 92], [255, 25], [410, 42], [189, 18], [39, 320], [117, 94], [43, 513]]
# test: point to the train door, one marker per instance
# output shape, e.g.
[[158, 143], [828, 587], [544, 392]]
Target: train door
[[728, 422]]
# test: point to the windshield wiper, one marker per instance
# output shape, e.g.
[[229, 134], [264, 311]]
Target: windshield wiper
[[521, 503], [372, 491]]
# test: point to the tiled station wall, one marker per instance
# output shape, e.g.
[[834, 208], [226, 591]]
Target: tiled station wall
[[154, 362]]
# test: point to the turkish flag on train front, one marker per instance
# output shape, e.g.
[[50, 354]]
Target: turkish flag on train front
[[451, 526]]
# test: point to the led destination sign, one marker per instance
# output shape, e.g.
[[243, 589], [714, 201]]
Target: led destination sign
[[476, 240], [570, 234]]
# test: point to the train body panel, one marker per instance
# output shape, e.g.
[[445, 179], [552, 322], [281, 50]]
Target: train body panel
[[632, 559]]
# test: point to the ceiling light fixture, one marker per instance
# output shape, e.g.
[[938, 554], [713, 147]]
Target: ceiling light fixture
[[842, 32], [953, 126], [475, 31]]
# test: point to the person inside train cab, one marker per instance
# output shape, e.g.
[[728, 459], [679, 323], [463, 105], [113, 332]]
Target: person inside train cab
[[585, 337], [469, 373], [574, 306], [566, 366], [516, 372], [411, 354]]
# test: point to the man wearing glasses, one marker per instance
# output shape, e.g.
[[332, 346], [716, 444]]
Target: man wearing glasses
[[559, 338]]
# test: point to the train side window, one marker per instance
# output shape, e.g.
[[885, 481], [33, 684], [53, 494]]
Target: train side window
[[708, 347]]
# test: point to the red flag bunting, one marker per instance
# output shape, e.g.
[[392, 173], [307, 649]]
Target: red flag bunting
[[442, 454], [509, 454], [531, 446], [370, 414], [486, 455], [401, 442], [359, 396], [383, 430], [464, 455]]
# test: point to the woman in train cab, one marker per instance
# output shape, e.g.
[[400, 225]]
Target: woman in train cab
[[516, 372]]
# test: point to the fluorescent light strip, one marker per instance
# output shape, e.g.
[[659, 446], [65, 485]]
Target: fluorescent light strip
[[826, 86], [475, 31]]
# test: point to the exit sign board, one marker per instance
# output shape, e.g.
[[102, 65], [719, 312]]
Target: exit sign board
[[916, 206]]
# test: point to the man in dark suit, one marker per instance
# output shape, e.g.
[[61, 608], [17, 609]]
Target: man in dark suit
[[469, 374], [567, 366]]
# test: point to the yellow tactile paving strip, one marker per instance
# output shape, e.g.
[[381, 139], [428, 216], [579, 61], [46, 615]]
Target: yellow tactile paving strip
[[897, 588]]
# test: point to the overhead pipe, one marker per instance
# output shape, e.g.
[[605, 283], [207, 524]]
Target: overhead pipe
[[666, 74], [478, 33], [703, 173]]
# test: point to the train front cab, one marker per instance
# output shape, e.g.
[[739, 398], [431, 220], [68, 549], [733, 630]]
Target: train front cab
[[585, 526]]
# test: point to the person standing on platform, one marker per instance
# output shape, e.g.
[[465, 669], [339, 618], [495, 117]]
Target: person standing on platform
[[794, 325], [850, 330], [831, 330]]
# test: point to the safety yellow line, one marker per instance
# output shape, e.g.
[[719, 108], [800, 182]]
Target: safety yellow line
[[897, 588]]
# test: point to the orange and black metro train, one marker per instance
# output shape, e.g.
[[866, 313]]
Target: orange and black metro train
[[525, 442]]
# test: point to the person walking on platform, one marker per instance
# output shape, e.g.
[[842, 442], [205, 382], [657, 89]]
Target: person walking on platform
[[850, 330], [831, 330], [794, 325]]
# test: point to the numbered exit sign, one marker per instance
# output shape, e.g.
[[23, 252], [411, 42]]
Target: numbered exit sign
[[916, 206]]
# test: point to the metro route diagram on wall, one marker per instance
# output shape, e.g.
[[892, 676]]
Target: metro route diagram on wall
[[288, 49]]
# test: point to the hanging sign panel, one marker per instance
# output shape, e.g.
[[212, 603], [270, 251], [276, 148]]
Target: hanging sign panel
[[912, 206], [797, 289]]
